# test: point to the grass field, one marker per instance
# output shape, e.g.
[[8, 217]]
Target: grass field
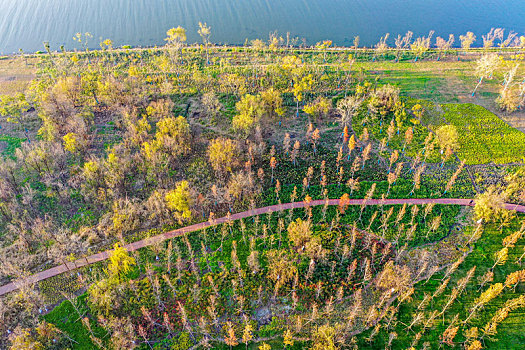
[[484, 137]]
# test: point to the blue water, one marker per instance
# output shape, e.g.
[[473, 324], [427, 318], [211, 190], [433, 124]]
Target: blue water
[[27, 23]]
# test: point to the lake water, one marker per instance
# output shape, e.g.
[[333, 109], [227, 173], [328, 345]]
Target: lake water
[[27, 23]]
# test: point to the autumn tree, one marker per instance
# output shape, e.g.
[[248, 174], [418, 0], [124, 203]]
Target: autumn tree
[[383, 101], [318, 108], [447, 137], [272, 103], [485, 68], [421, 45], [467, 40], [300, 87], [14, 108], [223, 155], [205, 33], [211, 104], [172, 140], [176, 37], [281, 268], [249, 111], [490, 206], [300, 233], [348, 109], [179, 201]]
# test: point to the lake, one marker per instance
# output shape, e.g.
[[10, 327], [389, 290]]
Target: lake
[[27, 23]]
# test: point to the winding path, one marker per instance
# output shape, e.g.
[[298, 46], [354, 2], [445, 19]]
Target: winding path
[[40, 276]]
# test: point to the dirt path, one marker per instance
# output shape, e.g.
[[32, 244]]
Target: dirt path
[[40, 276]]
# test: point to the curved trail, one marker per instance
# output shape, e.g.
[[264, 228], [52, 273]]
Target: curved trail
[[40, 276]]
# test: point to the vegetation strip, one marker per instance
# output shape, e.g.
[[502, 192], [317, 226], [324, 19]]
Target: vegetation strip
[[192, 228]]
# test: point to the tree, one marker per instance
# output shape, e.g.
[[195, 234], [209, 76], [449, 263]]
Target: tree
[[172, 139], [180, 200], [510, 97], [500, 257], [212, 105], [300, 87], [119, 261], [15, 108], [485, 68], [288, 338], [272, 103], [381, 47], [281, 269], [383, 101], [247, 334], [467, 40], [205, 33], [325, 337], [223, 155], [300, 233], [421, 45], [176, 37], [447, 137], [322, 46], [489, 206], [318, 108], [402, 42], [43, 336], [71, 142], [444, 45], [348, 109], [230, 338], [250, 109]]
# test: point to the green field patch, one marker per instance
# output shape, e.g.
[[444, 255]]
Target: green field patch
[[483, 137]]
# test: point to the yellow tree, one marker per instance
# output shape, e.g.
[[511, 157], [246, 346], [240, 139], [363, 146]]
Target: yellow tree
[[119, 261], [223, 155], [265, 346], [205, 33], [500, 257], [288, 338], [15, 108], [447, 137], [247, 334], [179, 201], [249, 111], [176, 37], [272, 103], [421, 45], [322, 46], [318, 108], [230, 338], [299, 89], [467, 40]]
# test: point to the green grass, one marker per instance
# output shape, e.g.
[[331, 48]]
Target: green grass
[[510, 331], [483, 137], [11, 144], [66, 318]]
